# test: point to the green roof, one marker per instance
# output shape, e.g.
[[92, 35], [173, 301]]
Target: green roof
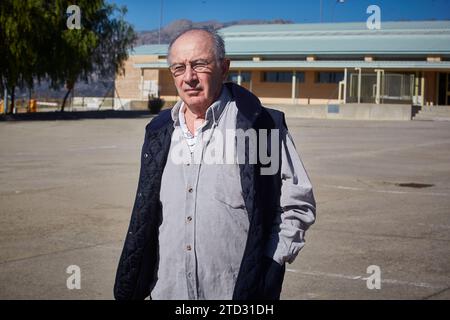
[[336, 27], [407, 39], [150, 49], [336, 64]]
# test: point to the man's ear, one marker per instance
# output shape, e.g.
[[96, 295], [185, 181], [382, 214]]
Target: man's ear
[[225, 68]]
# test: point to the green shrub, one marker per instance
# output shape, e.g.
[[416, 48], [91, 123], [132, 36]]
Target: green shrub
[[155, 104]]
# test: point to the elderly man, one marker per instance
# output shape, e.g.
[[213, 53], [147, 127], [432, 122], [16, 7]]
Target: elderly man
[[208, 224]]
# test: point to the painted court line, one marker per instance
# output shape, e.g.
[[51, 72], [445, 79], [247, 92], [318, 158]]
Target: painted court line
[[388, 191], [92, 148], [370, 153], [349, 277]]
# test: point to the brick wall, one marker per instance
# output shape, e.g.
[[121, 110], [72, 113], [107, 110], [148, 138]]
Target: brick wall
[[128, 84]]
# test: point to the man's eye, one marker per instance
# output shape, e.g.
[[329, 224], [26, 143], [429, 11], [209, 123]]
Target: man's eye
[[200, 66]]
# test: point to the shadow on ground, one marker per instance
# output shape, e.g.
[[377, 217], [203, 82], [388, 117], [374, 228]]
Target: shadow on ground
[[77, 115]]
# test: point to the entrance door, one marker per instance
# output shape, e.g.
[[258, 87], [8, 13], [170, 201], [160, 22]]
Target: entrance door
[[444, 89], [447, 102]]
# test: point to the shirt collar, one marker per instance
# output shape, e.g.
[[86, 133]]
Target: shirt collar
[[213, 112]]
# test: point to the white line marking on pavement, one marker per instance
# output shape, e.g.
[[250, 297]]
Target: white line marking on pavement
[[388, 191], [105, 245], [104, 147], [348, 277], [92, 148], [370, 153], [27, 153]]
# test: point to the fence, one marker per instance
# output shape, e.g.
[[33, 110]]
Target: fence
[[394, 87]]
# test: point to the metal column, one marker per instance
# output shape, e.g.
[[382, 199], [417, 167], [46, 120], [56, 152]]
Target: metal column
[[294, 87], [345, 85], [239, 78], [378, 86], [422, 89], [359, 84]]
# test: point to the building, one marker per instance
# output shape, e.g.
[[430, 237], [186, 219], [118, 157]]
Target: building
[[318, 66]]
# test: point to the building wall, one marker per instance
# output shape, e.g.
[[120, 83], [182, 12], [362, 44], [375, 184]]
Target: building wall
[[269, 89], [167, 88], [318, 92], [128, 85], [352, 111], [308, 92]]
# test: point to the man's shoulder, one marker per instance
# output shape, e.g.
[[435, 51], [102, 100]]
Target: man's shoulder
[[274, 113], [277, 116], [163, 118]]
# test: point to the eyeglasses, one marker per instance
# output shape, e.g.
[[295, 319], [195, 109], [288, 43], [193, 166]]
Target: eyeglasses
[[178, 69]]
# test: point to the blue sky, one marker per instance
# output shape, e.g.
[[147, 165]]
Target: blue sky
[[145, 14]]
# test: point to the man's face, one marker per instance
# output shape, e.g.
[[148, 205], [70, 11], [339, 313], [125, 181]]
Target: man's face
[[201, 87]]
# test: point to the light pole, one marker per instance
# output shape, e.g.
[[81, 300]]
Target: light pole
[[321, 11], [334, 8], [160, 22]]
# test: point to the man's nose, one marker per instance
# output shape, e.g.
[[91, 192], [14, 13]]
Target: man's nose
[[189, 75]]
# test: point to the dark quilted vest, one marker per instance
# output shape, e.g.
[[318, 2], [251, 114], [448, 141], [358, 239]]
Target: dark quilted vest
[[259, 277]]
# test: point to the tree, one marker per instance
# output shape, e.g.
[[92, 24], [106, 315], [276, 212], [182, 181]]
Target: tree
[[100, 47], [38, 44], [19, 44]]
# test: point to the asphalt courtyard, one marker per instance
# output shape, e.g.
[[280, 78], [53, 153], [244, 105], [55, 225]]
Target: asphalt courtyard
[[382, 191]]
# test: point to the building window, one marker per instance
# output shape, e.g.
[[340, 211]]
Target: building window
[[329, 77], [233, 76], [281, 76]]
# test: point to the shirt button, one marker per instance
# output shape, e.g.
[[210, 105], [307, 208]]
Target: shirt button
[[190, 189], [145, 155], [189, 219], [188, 247]]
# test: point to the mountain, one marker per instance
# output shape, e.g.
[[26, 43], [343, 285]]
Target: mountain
[[170, 31]]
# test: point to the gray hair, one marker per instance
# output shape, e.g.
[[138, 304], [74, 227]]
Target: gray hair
[[219, 43]]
